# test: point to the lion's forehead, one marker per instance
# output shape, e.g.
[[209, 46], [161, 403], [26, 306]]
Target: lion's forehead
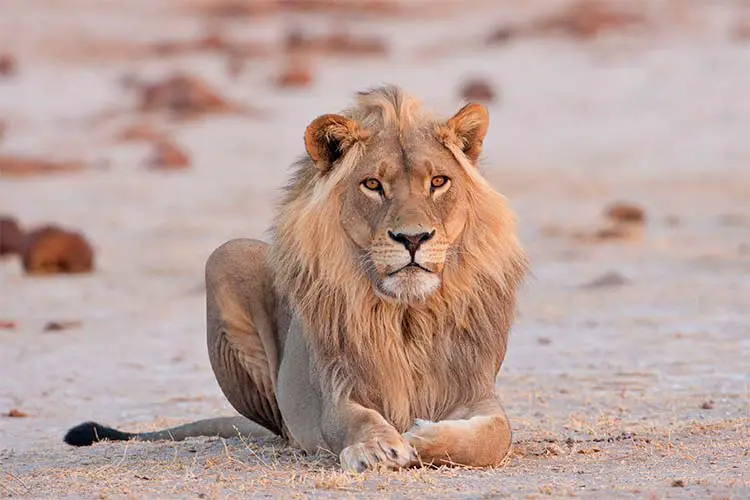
[[404, 159]]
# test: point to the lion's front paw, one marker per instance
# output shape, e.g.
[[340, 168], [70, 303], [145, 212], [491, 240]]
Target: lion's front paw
[[391, 452]]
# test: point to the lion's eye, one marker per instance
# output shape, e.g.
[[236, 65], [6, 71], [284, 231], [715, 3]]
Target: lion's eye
[[439, 181], [372, 184]]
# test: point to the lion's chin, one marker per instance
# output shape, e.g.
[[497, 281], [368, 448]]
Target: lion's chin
[[409, 286]]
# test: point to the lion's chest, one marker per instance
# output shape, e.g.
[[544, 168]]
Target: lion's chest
[[428, 380]]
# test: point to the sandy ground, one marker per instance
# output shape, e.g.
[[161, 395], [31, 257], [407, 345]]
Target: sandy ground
[[636, 390]]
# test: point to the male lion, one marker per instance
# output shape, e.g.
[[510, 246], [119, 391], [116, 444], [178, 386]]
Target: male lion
[[375, 323]]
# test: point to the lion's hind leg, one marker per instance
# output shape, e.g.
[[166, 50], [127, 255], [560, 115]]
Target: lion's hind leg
[[242, 341]]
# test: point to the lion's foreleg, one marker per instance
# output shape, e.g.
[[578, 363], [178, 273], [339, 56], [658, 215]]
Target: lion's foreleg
[[477, 436], [365, 438]]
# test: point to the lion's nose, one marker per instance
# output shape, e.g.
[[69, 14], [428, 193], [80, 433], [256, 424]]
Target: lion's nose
[[412, 242]]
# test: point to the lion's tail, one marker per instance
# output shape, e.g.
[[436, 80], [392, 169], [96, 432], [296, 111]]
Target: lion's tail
[[87, 433]]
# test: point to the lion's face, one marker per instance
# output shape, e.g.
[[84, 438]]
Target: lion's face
[[402, 185], [404, 211]]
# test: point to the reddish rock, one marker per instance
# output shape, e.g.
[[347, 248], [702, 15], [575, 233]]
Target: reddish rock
[[168, 156], [55, 326], [16, 413], [182, 95], [52, 250], [11, 236], [8, 65], [141, 132], [625, 212], [587, 19], [338, 43], [296, 74], [15, 166], [478, 89]]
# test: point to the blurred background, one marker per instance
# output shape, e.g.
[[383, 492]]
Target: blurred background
[[136, 136]]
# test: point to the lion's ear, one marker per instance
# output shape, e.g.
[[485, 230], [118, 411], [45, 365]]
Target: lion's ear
[[466, 129], [329, 137]]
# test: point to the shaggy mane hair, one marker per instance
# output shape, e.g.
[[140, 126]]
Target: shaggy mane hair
[[399, 359]]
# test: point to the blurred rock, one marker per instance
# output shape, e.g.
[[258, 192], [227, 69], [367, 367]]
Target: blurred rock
[[256, 8], [582, 19], [16, 413], [15, 166], [614, 232], [8, 65], [168, 156], [141, 132], [51, 249], [365, 7], [625, 212], [708, 405], [587, 19], [183, 95], [502, 35], [610, 279], [295, 74], [339, 43], [240, 8], [56, 326], [11, 236], [478, 89]]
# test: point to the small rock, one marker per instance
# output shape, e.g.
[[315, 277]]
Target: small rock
[[625, 212], [338, 43], [11, 236], [502, 35], [543, 341], [678, 483], [51, 250], [8, 65], [585, 19], [168, 156], [16, 413], [141, 132], [182, 95], [295, 75], [707, 405], [609, 279], [56, 326], [15, 166], [478, 90], [616, 232]]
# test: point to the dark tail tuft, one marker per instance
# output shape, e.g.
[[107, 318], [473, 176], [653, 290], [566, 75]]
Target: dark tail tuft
[[87, 433]]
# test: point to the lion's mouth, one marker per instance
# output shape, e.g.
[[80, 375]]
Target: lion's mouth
[[410, 266]]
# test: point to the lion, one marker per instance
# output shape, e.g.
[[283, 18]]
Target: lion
[[375, 322]]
